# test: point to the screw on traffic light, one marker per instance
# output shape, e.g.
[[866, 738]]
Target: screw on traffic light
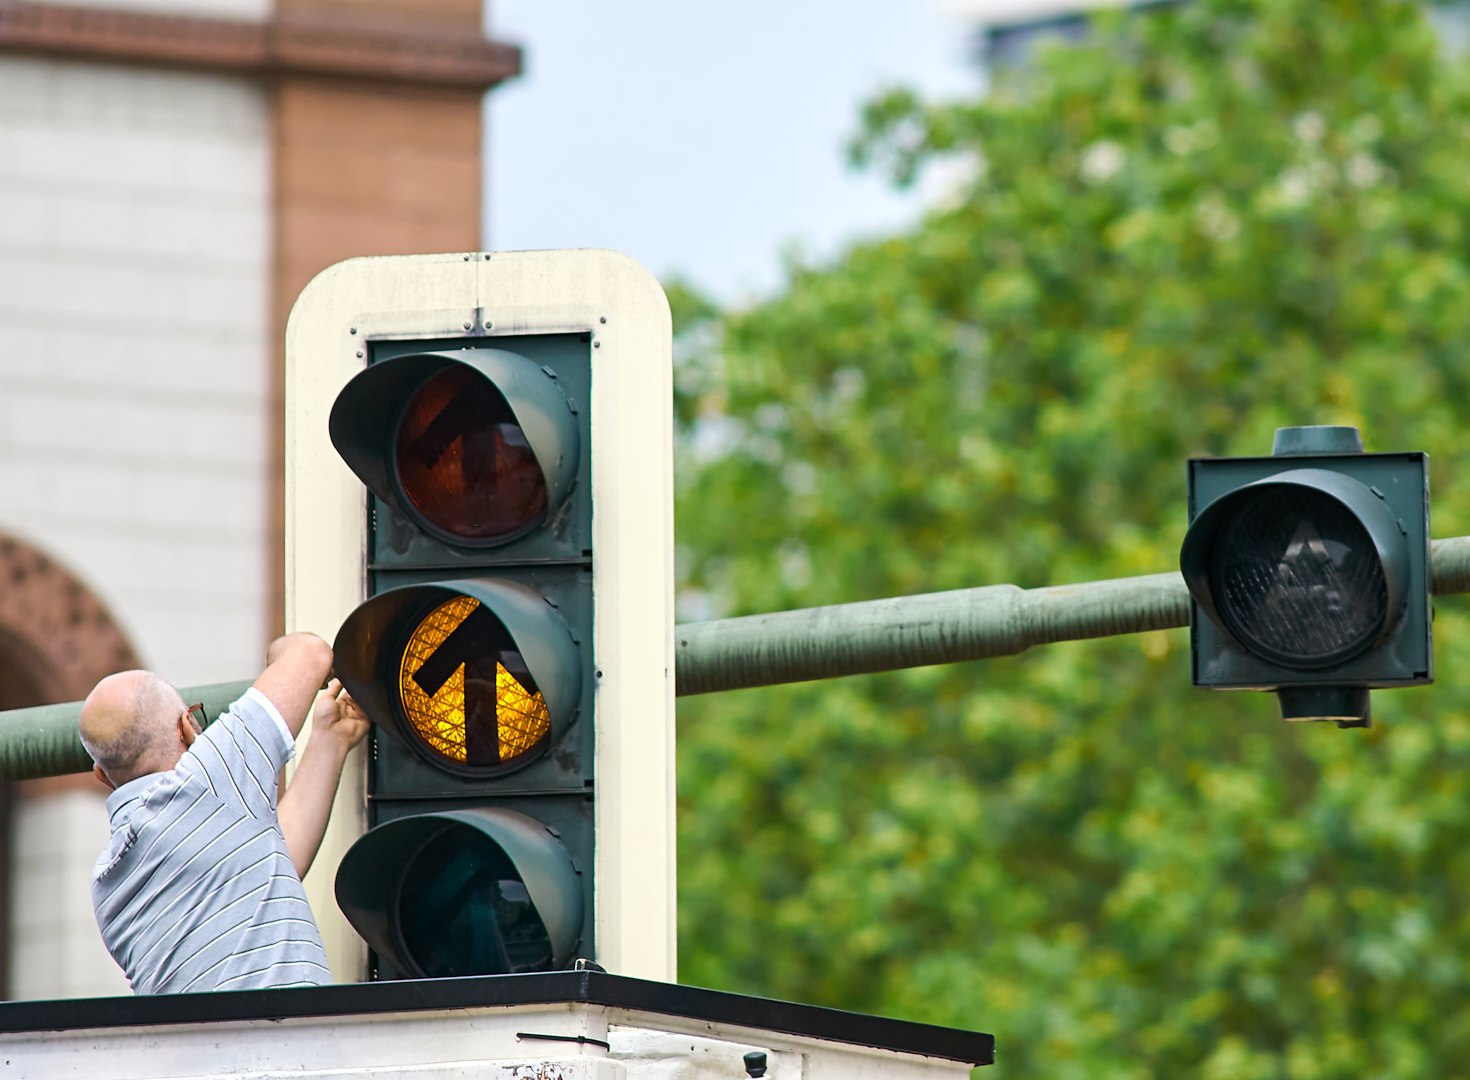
[[472, 654], [1309, 573]]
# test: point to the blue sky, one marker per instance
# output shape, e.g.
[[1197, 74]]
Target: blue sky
[[703, 139]]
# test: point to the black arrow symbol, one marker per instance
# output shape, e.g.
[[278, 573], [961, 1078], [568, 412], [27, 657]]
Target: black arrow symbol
[[477, 643]]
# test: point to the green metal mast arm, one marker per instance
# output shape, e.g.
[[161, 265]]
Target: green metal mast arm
[[813, 643], [948, 627], [915, 631], [43, 741]]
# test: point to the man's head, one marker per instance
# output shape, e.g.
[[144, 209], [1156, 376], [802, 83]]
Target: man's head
[[134, 723]]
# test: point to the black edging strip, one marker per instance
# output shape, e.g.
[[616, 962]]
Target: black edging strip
[[580, 1040], [542, 988]]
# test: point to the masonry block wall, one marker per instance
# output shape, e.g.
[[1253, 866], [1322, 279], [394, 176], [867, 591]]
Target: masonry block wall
[[134, 285], [172, 173]]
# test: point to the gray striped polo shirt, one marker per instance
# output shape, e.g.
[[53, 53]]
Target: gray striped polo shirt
[[196, 890]]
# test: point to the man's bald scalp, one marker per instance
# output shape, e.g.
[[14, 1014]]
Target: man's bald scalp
[[127, 717]]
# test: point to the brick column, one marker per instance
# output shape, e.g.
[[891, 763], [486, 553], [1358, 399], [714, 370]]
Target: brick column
[[364, 167]]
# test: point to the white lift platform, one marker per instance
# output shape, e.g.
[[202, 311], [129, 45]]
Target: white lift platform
[[565, 1025]]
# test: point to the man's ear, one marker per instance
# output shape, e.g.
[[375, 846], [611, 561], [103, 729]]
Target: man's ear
[[187, 734], [100, 775]]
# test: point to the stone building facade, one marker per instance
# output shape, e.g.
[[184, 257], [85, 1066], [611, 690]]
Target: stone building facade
[[171, 174]]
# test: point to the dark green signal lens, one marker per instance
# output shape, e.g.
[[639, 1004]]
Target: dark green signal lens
[[463, 910], [1299, 578]]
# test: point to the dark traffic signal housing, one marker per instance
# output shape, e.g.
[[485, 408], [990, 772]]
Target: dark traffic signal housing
[[472, 448], [1309, 572], [470, 655], [467, 892]]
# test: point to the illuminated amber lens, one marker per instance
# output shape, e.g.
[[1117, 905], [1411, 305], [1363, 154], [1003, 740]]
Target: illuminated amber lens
[[460, 693], [463, 460]]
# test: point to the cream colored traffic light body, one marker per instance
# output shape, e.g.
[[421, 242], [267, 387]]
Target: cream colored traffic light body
[[490, 296]]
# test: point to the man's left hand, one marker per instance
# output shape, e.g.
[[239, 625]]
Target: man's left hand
[[337, 725], [336, 715]]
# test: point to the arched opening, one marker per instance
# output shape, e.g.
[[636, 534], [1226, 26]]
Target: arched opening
[[22, 679], [57, 639]]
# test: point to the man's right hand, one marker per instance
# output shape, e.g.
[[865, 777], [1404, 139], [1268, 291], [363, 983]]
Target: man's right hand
[[296, 667]]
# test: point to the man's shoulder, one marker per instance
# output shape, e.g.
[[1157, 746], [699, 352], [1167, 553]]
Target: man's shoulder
[[255, 713], [155, 794], [142, 795]]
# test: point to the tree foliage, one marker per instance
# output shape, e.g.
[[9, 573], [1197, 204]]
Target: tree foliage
[[1208, 221]]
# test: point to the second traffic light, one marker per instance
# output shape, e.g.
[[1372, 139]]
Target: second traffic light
[[1309, 571]]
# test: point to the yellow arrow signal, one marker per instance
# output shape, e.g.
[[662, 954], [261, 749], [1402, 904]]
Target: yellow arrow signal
[[442, 719]]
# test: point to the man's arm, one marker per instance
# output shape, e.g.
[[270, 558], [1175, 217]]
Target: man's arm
[[296, 667], [337, 725]]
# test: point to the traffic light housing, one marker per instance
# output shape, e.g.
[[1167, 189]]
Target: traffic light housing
[[1309, 573], [471, 452], [512, 648], [470, 448], [482, 891], [475, 677]]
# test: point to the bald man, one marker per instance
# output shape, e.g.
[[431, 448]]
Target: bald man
[[200, 888]]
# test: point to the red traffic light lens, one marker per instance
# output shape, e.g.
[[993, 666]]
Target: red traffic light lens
[[464, 462], [1300, 579]]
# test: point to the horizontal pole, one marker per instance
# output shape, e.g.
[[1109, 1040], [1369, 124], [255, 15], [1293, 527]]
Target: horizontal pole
[[916, 631], [1449, 565], [798, 646], [43, 741], [948, 627]]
